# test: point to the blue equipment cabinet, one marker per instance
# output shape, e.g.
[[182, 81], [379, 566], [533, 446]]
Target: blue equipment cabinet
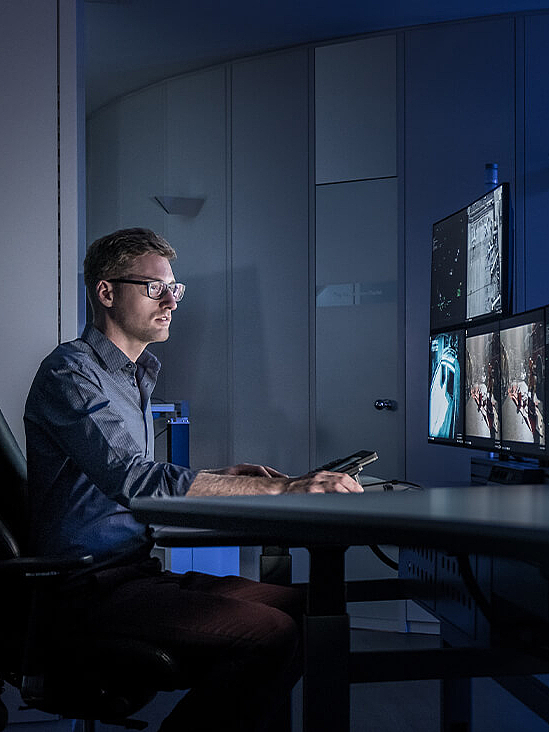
[[210, 560]]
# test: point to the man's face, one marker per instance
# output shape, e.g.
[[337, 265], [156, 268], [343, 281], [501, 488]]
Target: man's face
[[138, 318]]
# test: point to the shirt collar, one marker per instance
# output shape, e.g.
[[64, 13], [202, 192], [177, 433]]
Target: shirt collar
[[112, 357]]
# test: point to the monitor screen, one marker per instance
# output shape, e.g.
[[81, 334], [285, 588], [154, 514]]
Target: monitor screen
[[445, 386], [523, 360], [469, 261], [486, 231], [483, 387], [448, 270]]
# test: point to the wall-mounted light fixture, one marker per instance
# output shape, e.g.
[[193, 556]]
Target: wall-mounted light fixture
[[179, 205]]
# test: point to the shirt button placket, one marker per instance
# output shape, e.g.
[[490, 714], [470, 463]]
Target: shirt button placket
[[131, 368]]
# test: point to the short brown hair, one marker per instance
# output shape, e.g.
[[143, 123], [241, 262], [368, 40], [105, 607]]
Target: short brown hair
[[109, 256]]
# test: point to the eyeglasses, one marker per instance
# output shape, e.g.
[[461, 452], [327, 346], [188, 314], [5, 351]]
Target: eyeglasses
[[156, 289]]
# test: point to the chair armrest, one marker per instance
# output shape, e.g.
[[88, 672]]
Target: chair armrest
[[43, 566]]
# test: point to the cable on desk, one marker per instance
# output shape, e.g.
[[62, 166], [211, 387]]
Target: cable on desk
[[388, 485]]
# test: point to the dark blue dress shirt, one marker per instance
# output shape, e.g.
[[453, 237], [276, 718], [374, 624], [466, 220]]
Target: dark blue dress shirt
[[90, 448]]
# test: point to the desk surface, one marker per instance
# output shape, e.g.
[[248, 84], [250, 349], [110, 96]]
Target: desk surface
[[500, 520]]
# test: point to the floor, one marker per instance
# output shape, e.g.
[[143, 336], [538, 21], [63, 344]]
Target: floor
[[414, 706], [411, 706]]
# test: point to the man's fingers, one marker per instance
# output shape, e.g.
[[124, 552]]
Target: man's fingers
[[324, 482], [273, 473]]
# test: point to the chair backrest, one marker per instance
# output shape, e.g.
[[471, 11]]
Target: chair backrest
[[13, 490]]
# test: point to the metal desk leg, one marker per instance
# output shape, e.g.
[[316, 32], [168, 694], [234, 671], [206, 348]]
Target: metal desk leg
[[455, 705], [327, 644], [275, 567]]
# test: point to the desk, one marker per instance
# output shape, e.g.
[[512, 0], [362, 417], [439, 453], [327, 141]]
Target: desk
[[506, 521]]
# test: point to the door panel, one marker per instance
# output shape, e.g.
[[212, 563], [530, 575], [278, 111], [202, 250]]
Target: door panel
[[357, 322]]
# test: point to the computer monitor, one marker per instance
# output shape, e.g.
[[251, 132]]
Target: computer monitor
[[469, 269], [446, 356], [483, 387], [523, 383]]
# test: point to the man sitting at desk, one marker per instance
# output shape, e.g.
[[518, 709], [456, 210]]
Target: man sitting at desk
[[90, 445]]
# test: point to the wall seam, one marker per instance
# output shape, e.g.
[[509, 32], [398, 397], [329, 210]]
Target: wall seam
[[401, 236], [312, 260], [518, 303], [229, 261], [58, 178]]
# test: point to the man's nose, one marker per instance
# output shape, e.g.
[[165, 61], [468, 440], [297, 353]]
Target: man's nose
[[169, 300]]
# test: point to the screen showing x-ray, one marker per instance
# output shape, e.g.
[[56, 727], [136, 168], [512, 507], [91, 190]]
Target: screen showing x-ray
[[448, 271], [485, 234], [445, 387], [469, 262], [483, 387], [523, 383]]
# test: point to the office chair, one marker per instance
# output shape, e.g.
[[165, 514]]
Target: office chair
[[104, 678]]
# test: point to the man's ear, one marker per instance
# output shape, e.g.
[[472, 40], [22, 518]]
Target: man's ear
[[105, 293]]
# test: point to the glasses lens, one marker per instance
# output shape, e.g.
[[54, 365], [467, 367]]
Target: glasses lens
[[156, 289], [178, 290]]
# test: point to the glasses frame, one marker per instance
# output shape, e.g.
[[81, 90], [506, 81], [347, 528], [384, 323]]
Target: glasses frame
[[167, 286]]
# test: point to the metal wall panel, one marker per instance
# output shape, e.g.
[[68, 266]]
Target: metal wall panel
[[270, 260], [536, 183], [195, 359], [28, 197], [355, 110]]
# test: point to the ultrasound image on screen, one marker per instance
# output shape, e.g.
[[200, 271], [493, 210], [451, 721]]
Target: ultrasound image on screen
[[448, 271], [445, 411], [523, 384], [483, 395], [484, 254]]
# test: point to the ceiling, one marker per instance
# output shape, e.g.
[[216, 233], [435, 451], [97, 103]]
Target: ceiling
[[132, 43]]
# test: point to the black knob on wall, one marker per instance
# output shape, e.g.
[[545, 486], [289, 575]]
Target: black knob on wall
[[385, 404]]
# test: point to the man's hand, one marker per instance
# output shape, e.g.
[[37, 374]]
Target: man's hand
[[323, 482]]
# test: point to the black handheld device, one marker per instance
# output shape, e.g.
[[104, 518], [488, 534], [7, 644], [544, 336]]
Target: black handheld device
[[352, 464]]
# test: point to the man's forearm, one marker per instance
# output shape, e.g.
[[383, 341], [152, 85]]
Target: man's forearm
[[216, 484], [212, 484]]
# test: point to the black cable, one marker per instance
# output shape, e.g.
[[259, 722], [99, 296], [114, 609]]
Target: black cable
[[509, 630], [473, 588], [380, 554], [157, 400], [160, 433], [388, 484]]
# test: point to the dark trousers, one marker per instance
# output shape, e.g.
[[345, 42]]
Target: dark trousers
[[239, 639]]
